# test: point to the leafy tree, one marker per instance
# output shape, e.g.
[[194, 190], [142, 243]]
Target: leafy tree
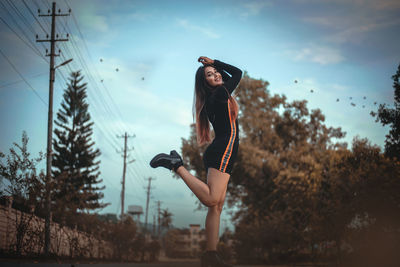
[[166, 218], [154, 248], [296, 185], [368, 187], [391, 116], [74, 161], [122, 236], [24, 185], [278, 171], [171, 242]]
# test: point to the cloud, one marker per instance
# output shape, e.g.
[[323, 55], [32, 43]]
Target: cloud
[[357, 33], [369, 4], [319, 54], [95, 22], [140, 16], [253, 8], [204, 30], [361, 18], [133, 92], [352, 29]]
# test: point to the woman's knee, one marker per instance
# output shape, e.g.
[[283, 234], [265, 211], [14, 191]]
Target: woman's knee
[[211, 202], [216, 206]]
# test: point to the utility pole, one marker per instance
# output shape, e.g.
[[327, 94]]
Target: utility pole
[[159, 219], [154, 224], [53, 39], [147, 202], [126, 136]]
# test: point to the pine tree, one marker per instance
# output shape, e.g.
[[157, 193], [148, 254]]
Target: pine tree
[[75, 167]]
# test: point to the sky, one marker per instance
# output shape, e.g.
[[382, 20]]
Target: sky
[[139, 60]]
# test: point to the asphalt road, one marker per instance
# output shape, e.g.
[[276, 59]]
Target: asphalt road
[[160, 264]]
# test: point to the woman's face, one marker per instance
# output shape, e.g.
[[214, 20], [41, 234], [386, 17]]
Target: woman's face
[[213, 77]]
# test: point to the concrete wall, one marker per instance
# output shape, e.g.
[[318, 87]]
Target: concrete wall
[[65, 241]]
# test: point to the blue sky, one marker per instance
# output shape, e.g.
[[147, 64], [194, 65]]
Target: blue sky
[[336, 48]]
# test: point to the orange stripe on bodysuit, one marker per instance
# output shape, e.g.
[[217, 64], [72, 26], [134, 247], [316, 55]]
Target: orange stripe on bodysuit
[[230, 154], [229, 144]]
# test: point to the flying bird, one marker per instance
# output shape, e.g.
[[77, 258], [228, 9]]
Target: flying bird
[[101, 60], [312, 91], [353, 104], [295, 81], [337, 100], [116, 69]]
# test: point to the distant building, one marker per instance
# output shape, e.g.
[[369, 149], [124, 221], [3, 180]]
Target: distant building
[[189, 241], [196, 236], [135, 211]]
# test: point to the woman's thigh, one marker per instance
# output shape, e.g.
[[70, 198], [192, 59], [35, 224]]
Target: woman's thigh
[[217, 182]]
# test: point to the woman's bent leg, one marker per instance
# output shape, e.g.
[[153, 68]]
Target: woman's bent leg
[[211, 193]]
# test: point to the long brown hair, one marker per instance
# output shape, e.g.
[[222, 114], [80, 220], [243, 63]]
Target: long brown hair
[[201, 91]]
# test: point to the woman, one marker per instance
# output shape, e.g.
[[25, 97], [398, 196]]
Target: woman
[[213, 103]]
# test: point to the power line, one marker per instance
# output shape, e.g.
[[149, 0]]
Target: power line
[[132, 181], [135, 174], [15, 82], [101, 98], [90, 77], [16, 70], [96, 103], [22, 17], [33, 15], [45, 22], [90, 57], [33, 47], [37, 53]]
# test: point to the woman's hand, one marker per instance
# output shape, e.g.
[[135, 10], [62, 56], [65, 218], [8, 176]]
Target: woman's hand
[[205, 61]]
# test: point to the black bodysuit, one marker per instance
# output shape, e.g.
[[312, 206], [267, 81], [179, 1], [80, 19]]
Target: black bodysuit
[[221, 153]]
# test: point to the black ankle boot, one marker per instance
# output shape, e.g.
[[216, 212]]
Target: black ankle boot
[[211, 259], [172, 161]]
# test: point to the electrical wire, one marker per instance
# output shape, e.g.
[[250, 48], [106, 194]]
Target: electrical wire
[[36, 52], [32, 45], [23, 78], [33, 15], [18, 81]]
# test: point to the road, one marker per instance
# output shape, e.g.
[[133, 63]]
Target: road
[[160, 264]]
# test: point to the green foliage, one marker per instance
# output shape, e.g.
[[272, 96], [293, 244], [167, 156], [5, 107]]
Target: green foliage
[[391, 116], [75, 167], [24, 186], [19, 170]]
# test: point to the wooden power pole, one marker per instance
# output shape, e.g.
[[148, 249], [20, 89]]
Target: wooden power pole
[[147, 202], [126, 136], [53, 39]]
